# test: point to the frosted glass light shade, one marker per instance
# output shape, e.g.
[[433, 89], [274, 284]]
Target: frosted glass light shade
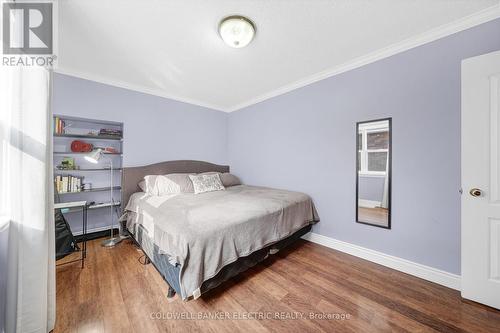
[[237, 31]]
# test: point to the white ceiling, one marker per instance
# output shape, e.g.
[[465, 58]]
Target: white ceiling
[[172, 49]]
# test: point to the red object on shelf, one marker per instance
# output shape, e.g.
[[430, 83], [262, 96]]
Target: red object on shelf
[[78, 146], [110, 150]]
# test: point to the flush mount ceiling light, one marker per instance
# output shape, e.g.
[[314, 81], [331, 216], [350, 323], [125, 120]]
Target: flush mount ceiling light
[[237, 31]]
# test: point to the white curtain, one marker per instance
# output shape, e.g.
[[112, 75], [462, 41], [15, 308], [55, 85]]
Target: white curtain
[[26, 201]]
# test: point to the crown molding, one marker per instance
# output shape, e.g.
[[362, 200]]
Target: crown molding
[[462, 24], [134, 87]]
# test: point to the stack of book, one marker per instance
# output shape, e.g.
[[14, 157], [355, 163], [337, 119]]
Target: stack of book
[[59, 125], [68, 184], [110, 132]]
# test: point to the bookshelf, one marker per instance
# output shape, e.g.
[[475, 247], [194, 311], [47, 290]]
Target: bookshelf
[[94, 178], [86, 136], [78, 153], [84, 170], [98, 189]]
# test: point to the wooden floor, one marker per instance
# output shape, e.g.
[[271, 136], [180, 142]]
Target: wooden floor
[[377, 215], [115, 293]]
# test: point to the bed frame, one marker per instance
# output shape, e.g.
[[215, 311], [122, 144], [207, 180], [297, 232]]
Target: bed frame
[[170, 273]]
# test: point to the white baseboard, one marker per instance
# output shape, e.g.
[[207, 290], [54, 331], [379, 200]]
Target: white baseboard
[[369, 203], [424, 272]]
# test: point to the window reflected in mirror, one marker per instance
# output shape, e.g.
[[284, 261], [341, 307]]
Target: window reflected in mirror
[[373, 183]]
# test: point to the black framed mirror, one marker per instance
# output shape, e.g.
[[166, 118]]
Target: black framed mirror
[[374, 171]]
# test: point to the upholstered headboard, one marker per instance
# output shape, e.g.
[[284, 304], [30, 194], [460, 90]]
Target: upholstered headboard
[[133, 175]]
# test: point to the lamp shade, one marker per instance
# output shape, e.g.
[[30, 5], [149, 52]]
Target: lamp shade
[[94, 156]]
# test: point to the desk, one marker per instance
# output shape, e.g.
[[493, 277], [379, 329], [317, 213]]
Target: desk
[[83, 206]]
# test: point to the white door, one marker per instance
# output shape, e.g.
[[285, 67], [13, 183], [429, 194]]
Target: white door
[[481, 179]]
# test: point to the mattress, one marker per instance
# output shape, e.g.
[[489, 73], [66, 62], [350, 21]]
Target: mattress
[[203, 233]]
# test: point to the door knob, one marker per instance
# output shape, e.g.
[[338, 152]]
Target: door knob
[[475, 192]]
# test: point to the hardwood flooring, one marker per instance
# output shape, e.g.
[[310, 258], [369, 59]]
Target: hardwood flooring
[[115, 293], [378, 216]]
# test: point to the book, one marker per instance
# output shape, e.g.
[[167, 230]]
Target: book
[[110, 132], [68, 184], [59, 125]]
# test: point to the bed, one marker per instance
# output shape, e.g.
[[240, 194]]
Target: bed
[[198, 241]]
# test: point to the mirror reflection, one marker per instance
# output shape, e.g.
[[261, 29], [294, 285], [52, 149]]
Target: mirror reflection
[[374, 173]]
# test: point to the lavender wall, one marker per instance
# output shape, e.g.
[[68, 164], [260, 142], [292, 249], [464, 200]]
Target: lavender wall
[[156, 129], [305, 140]]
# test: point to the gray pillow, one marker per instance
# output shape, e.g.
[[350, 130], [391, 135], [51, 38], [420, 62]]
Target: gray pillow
[[228, 179], [142, 185]]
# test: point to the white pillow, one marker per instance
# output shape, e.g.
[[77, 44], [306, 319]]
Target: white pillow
[[174, 183], [206, 183]]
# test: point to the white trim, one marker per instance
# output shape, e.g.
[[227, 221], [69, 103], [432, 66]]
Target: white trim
[[368, 203], [464, 23], [364, 130], [421, 271], [375, 126], [371, 174]]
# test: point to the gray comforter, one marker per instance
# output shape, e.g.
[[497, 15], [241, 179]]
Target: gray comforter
[[204, 232]]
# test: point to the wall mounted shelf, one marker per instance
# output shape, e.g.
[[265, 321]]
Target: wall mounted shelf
[[78, 153], [77, 170], [88, 137], [97, 189], [93, 207]]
